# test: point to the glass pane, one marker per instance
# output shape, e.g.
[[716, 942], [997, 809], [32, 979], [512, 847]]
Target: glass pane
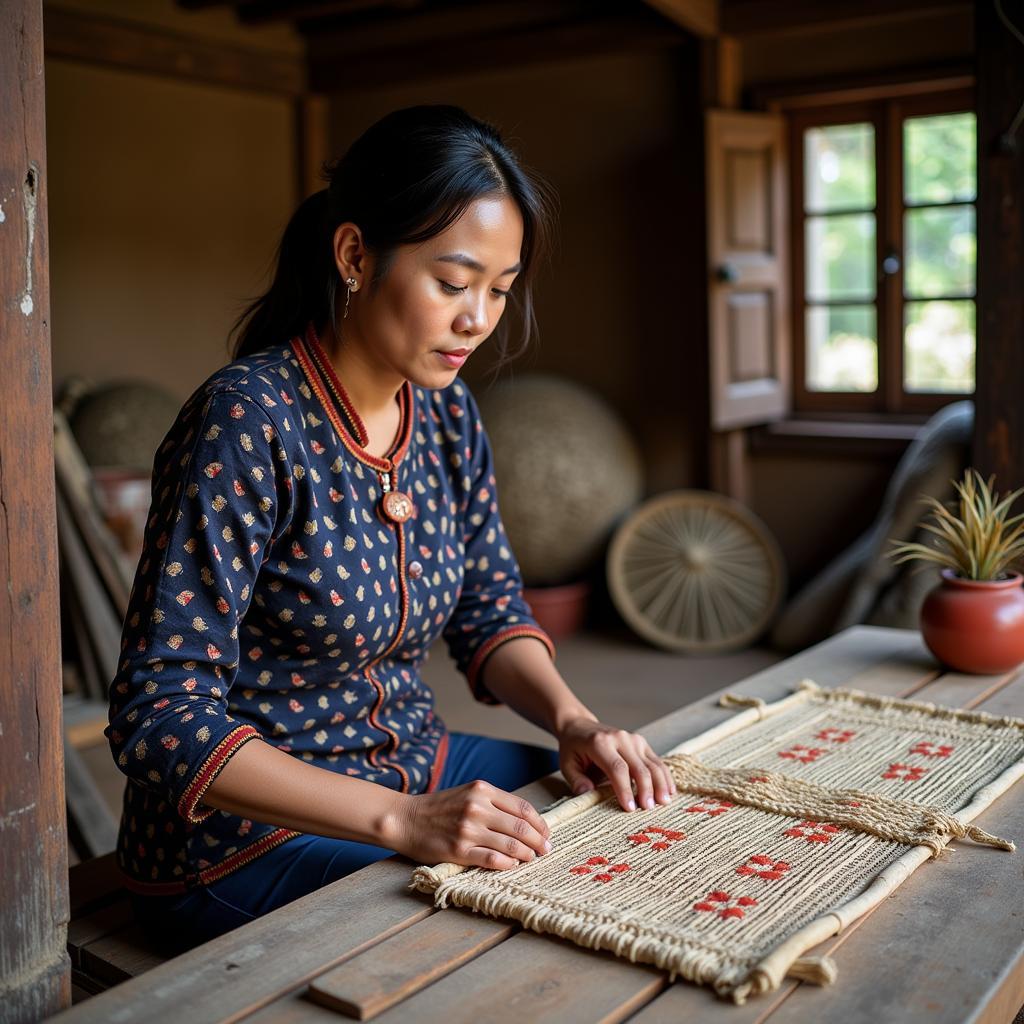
[[941, 256], [840, 257], [842, 348], [839, 168], [939, 154], [938, 348]]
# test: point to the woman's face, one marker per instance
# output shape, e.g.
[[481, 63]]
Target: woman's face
[[440, 299]]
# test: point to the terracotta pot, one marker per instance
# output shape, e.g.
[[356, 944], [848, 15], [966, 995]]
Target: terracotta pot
[[975, 626], [559, 611]]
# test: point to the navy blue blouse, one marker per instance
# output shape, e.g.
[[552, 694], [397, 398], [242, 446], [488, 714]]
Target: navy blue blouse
[[275, 600]]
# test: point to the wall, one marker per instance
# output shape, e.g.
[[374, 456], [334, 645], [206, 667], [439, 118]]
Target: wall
[[620, 308], [166, 201]]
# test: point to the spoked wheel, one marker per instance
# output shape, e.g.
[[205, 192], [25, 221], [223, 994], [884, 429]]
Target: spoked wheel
[[695, 572]]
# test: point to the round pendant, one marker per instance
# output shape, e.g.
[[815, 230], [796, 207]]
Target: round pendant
[[397, 506]]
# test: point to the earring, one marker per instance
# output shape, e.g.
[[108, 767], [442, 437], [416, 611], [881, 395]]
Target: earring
[[351, 285]]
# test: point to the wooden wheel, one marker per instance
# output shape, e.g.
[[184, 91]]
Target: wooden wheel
[[695, 572]]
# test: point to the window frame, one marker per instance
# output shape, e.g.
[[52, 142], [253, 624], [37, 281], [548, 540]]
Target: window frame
[[886, 114]]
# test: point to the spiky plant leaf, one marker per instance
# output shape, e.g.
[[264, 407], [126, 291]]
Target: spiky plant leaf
[[976, 538]]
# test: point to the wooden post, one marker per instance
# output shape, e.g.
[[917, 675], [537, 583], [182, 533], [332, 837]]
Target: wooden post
[[999, 423], [35, 979], [312, 127]]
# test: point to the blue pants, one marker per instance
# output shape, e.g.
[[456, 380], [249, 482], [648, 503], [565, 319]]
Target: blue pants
[[309, 862]]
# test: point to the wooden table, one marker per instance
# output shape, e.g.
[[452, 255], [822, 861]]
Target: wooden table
[[947, 946]]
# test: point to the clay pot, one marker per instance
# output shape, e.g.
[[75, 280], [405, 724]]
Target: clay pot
[[559, 611], [975, 626]]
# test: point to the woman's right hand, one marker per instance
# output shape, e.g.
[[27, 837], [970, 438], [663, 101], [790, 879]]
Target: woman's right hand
[[476, 825]]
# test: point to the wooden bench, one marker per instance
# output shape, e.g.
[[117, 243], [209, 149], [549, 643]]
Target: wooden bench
[[105, 944]]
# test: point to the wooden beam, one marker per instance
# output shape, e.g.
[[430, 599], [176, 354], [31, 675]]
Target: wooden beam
[[697, 16], [331, 70], [131, 47], [313, 133], [721, 72], [750, 17], [34, 966], [438, 24], [999, 412], [262, 12]]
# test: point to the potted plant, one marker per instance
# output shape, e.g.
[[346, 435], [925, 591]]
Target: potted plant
[[973, 621]]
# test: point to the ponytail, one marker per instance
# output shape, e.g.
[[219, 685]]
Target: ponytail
[[304, 285]]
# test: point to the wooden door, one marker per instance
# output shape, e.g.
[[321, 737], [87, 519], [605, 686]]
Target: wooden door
[[747, 286]]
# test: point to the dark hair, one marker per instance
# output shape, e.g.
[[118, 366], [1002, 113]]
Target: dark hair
[[404, 180]]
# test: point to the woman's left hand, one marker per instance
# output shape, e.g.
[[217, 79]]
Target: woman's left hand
[[587, 748]]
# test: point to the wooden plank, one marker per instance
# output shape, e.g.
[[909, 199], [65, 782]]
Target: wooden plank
[[999, 413], [268, 957], [107, 919], [949, 945], [123, 954], [75, 482], [94, 882], [92, 829], [102, 623], [128, 45], [84, 720], [861, 657], [534, 978], [93, 682], [375, 980], [34, 967]]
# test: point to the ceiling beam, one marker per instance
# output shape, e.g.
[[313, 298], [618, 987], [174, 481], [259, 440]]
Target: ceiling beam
[[335, 63], [260, 12], [697, 16], [132, 47], [441, 23], [755, 17]]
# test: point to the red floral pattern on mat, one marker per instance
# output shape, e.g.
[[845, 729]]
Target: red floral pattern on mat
[[813, 832], [802, 753], [723, 905], [712, 808], [762, 866], [656, 838], [601, 869], [904, 772], [927, 749], [834, 735]]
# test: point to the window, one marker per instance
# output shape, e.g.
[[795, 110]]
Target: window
[[884, 254]]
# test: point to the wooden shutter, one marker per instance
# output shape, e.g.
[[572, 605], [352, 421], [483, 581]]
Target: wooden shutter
[[747, 287]]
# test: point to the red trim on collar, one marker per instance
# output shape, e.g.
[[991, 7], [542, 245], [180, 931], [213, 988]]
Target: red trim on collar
[[324, 382]]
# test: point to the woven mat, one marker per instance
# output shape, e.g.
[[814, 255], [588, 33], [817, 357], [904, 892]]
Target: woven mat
[[796, 818]]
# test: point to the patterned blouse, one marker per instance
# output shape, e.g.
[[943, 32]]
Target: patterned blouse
[[289, 588]]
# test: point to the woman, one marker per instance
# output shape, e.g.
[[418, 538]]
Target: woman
[[323, 509]]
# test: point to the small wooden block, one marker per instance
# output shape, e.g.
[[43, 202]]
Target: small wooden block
[[396, 968]]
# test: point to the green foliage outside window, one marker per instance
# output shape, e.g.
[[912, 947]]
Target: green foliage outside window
[[939, 257]]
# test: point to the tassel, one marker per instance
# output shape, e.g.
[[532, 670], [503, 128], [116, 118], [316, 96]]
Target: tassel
[[815, 970], [979, 835]]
